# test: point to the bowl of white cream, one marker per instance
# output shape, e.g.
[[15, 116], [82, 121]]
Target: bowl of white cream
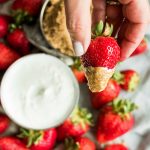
[[39, 91]]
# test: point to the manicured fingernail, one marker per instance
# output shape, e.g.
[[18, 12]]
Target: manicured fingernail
[[78, 48]]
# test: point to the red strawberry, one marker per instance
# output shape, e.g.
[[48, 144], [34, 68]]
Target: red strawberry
[[80, 75], [30, 7], [81, 143], [128, 79], [76, 125], [116, 147], [141, 48], [7, 56], [3, 1], [111, 92], [78, 71], [100, 60], [39, 140], [115, 120], [25, 11], [4, 123], [11, 143], [3, 26], [18, 40]]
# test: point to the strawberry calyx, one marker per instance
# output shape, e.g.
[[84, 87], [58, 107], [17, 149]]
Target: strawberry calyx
[[31, 136], [119, 77], [70, 144], [21, 16], [123, 107], [77, 64], [102, 29], [134, 81], [81, 116]]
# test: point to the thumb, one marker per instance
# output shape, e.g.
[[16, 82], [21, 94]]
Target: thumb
[[78, 19]]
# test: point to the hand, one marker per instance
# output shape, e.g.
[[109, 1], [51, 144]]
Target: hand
[[131, 30]]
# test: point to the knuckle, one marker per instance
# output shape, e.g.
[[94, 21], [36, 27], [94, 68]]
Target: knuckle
[[75, 26]]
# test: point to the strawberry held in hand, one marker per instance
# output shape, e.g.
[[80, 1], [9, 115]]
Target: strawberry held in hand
[[4, 123], [39, 140], [11, 143], [17, 39], [101, 58], [78, 71], [116, 147], [115, 120], [111, 92], [7, 56], [81, 143], [76, 125]]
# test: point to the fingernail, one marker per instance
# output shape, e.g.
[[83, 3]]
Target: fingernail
[[78, 48]]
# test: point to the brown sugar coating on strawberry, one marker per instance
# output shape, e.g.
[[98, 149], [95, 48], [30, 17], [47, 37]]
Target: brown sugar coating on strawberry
[[102, 52]]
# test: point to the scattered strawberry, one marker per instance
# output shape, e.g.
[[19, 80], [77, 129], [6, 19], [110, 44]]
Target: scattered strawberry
[[11, 143], [18, 40], [7, 56], [39, 140], [128, 79], [111, 92], [81, 143], [141, 48], [78, 71], [4, 123], [116, 147], [3, 26], [76, 125], [26, 10], [3, 1], [100, 59], [115, 120]]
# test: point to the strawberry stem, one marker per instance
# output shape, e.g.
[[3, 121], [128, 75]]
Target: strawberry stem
[[123, 107], [82, 116], [32, 136], [102, 29]]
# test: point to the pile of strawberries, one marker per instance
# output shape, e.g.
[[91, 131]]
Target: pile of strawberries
[[114, 114]]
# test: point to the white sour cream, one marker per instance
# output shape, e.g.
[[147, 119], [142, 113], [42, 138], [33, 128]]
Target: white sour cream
[[39, 91]]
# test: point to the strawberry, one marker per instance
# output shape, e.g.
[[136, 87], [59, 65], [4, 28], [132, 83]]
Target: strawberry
[[11, 143], [116, 147], [141, 48], [4, 123], [78, 71], [39, 140], [76, 125], [81, 143], [111, 92], [3, 26], [3, 1], [115, 120], [100, 59], [18, 40], [7, 56], [26, 10], [128, 79]]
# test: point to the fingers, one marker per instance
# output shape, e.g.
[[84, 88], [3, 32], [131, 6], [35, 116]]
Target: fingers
[[99, 11], [134, 28], [78, 21], [131, 35], [114, 16]]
